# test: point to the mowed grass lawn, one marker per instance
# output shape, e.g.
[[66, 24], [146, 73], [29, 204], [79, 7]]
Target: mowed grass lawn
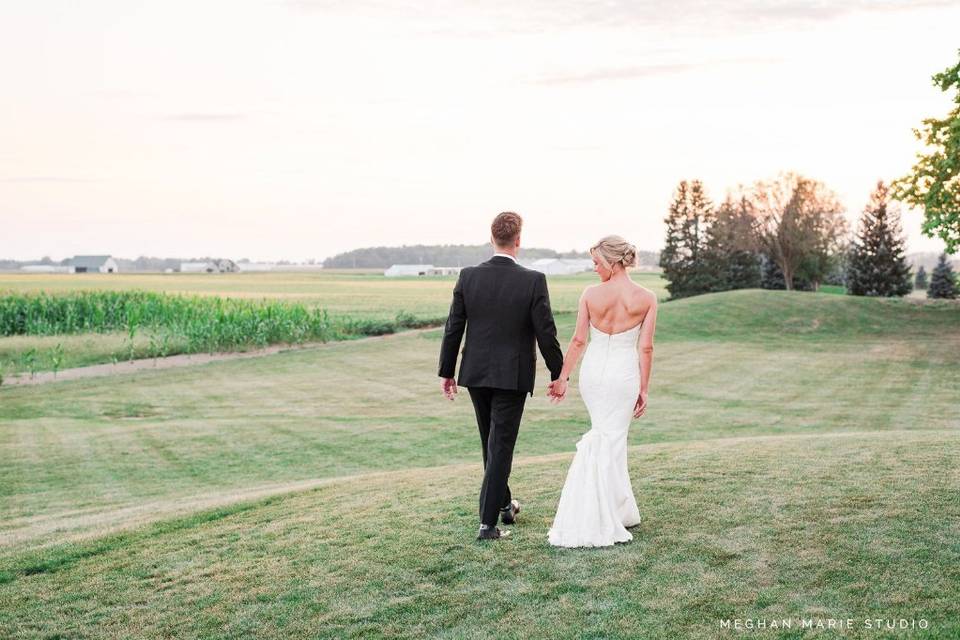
[[798, 459]]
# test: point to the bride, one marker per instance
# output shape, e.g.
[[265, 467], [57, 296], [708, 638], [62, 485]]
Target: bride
[[597, 504]]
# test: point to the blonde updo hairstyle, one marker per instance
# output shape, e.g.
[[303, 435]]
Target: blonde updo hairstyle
[[614, 250]]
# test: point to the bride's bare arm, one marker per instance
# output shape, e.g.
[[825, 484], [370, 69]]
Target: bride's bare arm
[[579, 339], [645, 346]]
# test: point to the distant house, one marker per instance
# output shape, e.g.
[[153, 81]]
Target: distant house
[[407, 270], [398, 270], [221, 265], [93, 264], [444, 271], [560, 266]]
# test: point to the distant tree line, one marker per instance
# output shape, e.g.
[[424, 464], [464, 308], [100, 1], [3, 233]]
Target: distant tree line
[[452, 255], [786, 233], [790, 232]]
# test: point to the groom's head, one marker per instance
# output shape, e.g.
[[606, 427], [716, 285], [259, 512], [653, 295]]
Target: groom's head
[[505, 231]]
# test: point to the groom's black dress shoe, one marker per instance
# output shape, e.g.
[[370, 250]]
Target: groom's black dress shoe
[[491, 533], [508, 515]]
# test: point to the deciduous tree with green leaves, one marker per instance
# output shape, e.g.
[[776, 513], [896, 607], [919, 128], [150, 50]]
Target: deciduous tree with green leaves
[[934, 181], [799, 224]]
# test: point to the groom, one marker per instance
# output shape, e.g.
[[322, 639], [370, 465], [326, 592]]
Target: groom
[[504, 307]]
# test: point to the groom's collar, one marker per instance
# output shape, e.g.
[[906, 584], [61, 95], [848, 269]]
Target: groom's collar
[[504, 255]]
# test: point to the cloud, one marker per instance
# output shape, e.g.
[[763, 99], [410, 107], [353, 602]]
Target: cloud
[[204, 117], [530, 16], [644, 71], [44, 179], [625, 73], [810, 11]]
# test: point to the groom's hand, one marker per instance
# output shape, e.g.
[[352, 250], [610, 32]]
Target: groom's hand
[[558, 390], [449, 387]]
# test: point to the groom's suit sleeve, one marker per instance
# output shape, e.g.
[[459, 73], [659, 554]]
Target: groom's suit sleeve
[[453, 332], [545, 328]]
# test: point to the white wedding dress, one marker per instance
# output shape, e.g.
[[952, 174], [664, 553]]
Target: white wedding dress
[[597, 503]]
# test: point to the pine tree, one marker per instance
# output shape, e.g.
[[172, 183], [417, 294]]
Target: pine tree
[[878, 264], [921, 281], [732, 262], [683, 258], [943, 282], [673, 256]]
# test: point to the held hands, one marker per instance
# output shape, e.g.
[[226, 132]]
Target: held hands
[[641, 405], [557, 390], [449, 387]]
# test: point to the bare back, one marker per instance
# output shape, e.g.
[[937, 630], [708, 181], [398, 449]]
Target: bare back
[[617, 306], [614, 307]]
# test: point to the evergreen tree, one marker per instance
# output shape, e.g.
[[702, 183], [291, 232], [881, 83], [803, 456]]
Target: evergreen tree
[[921, 281], [675, 256], [943, 282], [878, 264], [684, 256], [731, 260]]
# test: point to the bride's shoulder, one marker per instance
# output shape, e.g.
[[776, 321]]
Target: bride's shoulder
[[642, 294], [589, 290]]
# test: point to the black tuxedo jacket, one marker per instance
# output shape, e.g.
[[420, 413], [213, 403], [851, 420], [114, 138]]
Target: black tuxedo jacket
[[505, 309]]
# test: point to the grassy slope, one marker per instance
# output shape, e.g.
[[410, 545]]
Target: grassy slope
[[83, 460], [755, 315]]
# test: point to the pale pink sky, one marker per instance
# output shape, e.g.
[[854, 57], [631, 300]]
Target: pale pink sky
[[297, 130]]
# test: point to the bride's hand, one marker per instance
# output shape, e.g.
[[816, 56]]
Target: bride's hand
[[641, 405], [557, 390]]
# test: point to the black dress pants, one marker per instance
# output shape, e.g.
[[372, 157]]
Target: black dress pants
[[498, 417]]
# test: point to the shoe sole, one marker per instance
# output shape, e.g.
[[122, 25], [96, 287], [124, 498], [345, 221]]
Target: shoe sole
[[503, 534]]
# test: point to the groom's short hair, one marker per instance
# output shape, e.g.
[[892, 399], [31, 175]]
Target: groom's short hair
[[505, 228]]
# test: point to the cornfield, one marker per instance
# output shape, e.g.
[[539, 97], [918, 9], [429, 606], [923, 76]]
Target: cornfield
[[192, 323]]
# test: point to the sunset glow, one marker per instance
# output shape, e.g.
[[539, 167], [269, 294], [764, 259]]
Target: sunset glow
[[297, 130]]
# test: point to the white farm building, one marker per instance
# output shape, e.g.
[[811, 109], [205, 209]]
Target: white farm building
[[399, 270], [209, 266], [560, 266], [93, 264], [45, 268]]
